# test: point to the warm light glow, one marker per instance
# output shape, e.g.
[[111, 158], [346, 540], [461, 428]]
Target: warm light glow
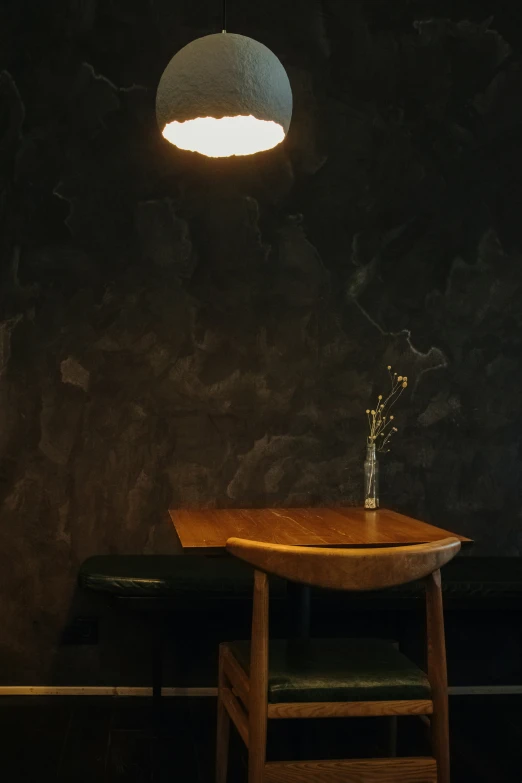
[[224, 137]]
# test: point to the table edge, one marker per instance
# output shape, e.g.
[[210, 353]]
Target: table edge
[[449, 534]]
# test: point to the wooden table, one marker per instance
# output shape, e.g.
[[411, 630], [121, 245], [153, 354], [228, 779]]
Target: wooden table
[[207, 531]]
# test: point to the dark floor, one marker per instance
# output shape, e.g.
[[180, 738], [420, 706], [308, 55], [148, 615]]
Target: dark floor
[[114, 740]]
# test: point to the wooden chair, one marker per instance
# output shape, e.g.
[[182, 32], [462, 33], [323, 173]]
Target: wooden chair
[[335, 678]]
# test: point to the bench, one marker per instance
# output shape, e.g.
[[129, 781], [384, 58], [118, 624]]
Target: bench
[[157, 584], [153, 582]]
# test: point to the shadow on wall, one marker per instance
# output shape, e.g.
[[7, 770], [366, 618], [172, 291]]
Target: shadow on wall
[[183, 332]]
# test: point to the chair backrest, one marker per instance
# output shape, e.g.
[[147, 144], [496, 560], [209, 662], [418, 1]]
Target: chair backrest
[[346, 569]]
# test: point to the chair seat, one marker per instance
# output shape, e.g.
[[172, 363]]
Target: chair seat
[[165, 575], [333, 670]]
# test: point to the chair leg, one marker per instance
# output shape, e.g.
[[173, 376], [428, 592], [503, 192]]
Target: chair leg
[[223, 729], [256, 760], [440, 739], [258, 693], [256, 744], [438, 676], [392, 737]]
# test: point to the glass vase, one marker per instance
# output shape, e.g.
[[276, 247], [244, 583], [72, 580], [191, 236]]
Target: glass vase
[[371, 478]]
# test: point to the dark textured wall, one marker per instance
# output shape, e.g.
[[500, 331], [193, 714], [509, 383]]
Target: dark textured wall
[[179, 331]]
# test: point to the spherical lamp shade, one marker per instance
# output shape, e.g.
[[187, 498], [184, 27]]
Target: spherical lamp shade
[[224, 95]]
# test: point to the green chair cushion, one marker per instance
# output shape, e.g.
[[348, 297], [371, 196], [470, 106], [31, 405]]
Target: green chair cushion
[[165, 575], [315, 670]]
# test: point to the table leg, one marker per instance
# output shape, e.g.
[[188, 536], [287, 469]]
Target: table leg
[[298, 610]]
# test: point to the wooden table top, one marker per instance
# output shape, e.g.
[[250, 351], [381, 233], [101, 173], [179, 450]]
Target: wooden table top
[[209, 529]]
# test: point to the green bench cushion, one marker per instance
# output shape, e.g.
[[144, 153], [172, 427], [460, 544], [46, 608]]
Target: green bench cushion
[[463, 578], [314, 670], [483, 577], [165, 575]]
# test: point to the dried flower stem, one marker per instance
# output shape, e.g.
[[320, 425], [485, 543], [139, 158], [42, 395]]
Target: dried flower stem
[[380, 420]]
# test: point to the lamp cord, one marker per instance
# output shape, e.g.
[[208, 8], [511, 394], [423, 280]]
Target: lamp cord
[[224, 27]]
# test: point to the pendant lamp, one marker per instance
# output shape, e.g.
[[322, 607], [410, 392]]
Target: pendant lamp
[[224, 94]]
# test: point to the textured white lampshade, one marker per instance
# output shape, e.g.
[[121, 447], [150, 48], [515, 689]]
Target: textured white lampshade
[[222, 95]]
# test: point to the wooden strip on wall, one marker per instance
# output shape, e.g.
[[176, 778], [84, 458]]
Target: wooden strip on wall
[[103, 690]]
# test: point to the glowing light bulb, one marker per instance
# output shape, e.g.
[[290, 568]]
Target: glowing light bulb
[[224, 137]]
